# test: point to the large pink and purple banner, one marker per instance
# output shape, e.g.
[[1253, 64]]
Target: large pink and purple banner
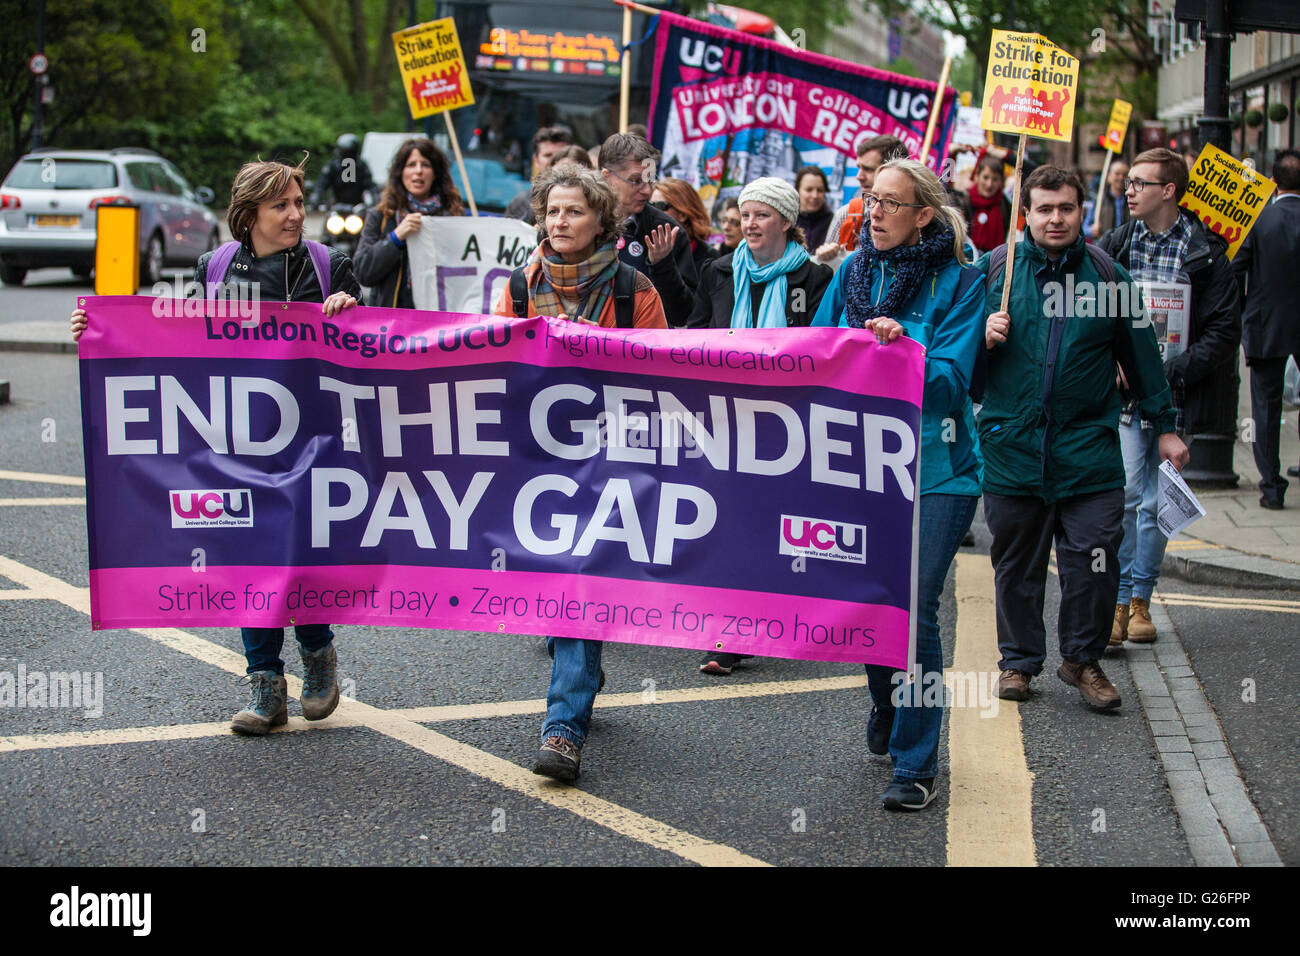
[[752, 491]]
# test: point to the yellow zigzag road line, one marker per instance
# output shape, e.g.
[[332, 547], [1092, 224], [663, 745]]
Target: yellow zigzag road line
[[990, 808], [625, 822], [41, 479]]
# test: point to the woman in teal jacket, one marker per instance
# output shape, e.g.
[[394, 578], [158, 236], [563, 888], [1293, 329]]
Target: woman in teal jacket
[[910, 276]]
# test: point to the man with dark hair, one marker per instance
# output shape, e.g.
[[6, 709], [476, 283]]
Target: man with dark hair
[[842, 233], [652, 241], [547, 142], [1047, 430], [1165, 245], [1269, 264]]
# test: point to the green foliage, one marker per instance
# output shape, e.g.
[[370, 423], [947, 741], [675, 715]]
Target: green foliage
[[1254, 118], [1278, 112]]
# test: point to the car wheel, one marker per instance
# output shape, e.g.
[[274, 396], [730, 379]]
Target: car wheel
[[151, 265], [12, 275]]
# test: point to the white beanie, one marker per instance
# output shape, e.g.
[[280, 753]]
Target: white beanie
[[777, 193]]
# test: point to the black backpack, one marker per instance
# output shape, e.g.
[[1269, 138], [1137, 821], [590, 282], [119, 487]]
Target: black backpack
[[624, 294], [1101, 261]]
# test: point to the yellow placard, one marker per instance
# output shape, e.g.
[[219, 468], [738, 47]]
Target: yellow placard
[[1030, 87], [1117, 128], [1226, 195], [433, 70]]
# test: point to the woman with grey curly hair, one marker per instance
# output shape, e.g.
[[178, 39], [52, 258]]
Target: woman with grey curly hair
[[575, 273]]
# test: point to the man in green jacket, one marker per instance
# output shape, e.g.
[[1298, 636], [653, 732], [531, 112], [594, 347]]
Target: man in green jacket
[[1049, 435]]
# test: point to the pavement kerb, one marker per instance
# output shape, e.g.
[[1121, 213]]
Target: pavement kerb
[[1228, 567], [13, 345]]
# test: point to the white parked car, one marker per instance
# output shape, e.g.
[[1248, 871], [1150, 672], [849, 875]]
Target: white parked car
[[48, 202]]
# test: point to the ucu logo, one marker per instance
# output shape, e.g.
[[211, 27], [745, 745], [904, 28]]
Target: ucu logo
[[231, 507], [712, 59], [821, 538]]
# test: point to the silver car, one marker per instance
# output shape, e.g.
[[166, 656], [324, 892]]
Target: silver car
[[47, 211]]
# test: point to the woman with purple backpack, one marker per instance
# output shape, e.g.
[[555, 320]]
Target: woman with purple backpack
[[266, 216]]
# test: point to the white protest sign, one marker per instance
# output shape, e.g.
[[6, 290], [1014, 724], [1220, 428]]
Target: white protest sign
[[460, 263]]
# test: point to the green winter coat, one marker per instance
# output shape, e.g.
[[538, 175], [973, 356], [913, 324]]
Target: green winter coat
[[1081, 417]]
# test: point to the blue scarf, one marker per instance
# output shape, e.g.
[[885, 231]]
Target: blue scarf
[[910, 264], [771, 311], [432, 206]]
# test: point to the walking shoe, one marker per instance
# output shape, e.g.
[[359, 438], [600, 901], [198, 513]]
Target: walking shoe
[[721, 664], [267, 709], [558, 759], [879, 726], [320, 686], [1293, 471], [1013, 685], [904, 794], [1092, 683], [1140, 628], [1119, 629], [1272, 503]]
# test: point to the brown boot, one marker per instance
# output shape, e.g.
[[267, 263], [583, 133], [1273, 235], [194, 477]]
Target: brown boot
[[1119, 629], [1140, 628], [1092, 683], [1013, 685]]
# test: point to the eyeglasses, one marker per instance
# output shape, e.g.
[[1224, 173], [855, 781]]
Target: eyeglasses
[[1137, 184], [661, 205], [890, 206], [636, 183]]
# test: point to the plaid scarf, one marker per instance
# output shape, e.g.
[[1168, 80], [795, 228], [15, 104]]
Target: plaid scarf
[[588, 283], [431, 206]]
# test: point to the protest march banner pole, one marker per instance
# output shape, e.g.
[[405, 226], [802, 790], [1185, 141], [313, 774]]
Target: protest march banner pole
[[421, 50], [935, 110], [1044, 107], [1113, 142], [625, 60]]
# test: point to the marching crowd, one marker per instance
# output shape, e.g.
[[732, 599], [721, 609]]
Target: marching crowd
[[1060, 423]]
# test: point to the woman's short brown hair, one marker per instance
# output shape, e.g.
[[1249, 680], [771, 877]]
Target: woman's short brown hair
[[254, 184], [599, 197]]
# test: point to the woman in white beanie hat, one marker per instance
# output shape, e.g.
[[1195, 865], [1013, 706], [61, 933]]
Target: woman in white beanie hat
[[769, 281]]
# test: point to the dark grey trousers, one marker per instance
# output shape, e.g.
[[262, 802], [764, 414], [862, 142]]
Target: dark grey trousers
[[1267, 377], [1088, 531]]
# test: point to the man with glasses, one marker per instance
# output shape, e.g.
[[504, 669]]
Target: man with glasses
[[1047, 431], [1179, 262], [652, 241]]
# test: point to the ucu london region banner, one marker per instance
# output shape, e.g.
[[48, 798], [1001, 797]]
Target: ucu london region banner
[[727, 108], [753, 492]]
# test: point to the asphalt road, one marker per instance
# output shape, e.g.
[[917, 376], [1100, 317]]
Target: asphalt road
[[778, 773]]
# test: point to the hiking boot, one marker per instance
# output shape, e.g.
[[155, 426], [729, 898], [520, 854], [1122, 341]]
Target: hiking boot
[[267, 709], [558, 759], [1140, 628], [1013, 685], [879, 726], [320, 686], [904, 794], [1119, 629], [1092, 683]]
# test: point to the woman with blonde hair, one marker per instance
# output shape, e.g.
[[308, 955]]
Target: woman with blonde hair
[[265, 216], [910, 275], [575, 273]]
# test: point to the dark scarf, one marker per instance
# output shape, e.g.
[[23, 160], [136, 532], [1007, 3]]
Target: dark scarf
[[911, 264], [992, 232], [814, 225], [425, 207]]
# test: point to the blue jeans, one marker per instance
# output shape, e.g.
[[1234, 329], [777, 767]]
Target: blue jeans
[[1143, 548], [914, 743], [262, 644], [575, 677]]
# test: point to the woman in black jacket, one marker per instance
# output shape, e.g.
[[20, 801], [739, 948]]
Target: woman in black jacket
[[419, 184], [784, 284], [814, 215]]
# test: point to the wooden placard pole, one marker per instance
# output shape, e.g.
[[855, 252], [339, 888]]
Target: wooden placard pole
[[1011, 227], [1101, 191], [460, 163], [934, 113], [624, 71]]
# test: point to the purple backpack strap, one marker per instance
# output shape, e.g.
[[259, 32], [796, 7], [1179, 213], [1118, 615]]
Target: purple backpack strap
[[218, 265], [320, 260]]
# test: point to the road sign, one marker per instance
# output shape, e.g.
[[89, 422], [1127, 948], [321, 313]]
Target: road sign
[[39, 63]]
